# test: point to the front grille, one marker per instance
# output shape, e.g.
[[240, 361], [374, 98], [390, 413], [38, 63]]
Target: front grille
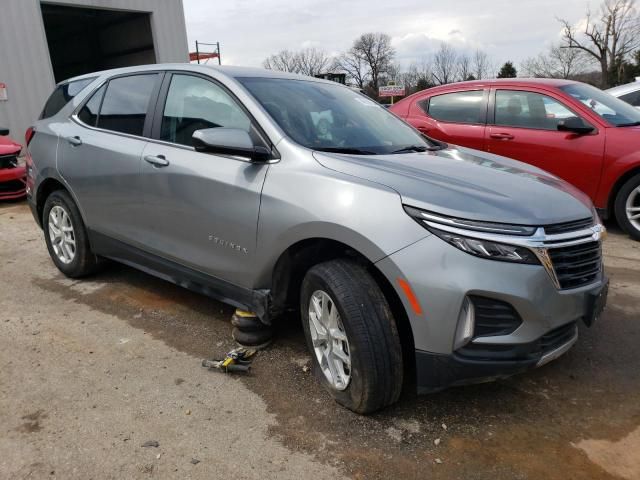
[[8, 161], [557, 337], [522, 351], [568, 226], [494, 317], [11, 186], [576, 265]]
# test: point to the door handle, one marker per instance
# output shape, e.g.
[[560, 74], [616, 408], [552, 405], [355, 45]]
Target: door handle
[[502, 136], [75, 141], [156, 160]]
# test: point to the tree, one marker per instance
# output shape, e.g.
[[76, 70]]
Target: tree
[[508, 71], [444, 64], [464, 67], [312, 61], [376, 52], [609, 38], [354, 66], [284, 60], [481, 65], [558, 62]]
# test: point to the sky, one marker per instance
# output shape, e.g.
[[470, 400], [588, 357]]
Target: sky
[[251, 30]]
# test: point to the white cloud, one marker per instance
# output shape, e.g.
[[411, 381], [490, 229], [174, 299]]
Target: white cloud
[[251, 30]]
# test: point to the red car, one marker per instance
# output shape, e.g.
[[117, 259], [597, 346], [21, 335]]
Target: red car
[[13, 177], [573, 130]]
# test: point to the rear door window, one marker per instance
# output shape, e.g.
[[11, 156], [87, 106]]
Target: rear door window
[[458, 107], [517, 108], [126, 102], [61, 96]]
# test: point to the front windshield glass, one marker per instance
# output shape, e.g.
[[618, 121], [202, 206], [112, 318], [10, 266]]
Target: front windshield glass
[[336, 118], [610, 108]]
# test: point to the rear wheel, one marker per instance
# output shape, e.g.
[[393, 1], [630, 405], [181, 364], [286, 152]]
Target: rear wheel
[[627, 207], [352, 336], [66, 236]]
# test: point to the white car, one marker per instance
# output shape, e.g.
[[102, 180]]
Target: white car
[[629, 92]]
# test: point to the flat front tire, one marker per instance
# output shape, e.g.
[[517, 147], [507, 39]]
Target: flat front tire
[[352, 336], [627, 207], [66, 236]]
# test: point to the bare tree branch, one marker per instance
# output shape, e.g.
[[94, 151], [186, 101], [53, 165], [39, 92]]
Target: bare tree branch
[[444, 64], [609, 39]]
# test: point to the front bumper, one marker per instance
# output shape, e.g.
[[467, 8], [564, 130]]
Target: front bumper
[[13, 183], [442, 276]]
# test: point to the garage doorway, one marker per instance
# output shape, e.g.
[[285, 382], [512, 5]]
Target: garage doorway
[[83, 40]]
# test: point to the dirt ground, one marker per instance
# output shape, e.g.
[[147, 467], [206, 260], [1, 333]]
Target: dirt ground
[[91, 370]]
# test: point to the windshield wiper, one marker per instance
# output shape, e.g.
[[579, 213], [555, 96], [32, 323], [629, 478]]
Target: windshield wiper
[[419, 148], [354, 151], [630, 124]]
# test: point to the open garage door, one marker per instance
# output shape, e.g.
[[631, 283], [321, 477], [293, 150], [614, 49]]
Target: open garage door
[[83, 40]]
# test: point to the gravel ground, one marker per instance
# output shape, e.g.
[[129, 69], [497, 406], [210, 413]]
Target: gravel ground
[[91, 370]]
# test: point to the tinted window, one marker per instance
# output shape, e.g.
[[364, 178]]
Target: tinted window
[[61, 96], [332, 117], [461, 107], [194, 103], [529, 110], [89, 112], [633, 98], [612, 109], [125, 103]]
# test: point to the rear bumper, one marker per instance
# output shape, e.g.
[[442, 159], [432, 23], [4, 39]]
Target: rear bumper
[[13, 182]]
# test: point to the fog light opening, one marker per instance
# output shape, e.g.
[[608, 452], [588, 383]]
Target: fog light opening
[[466, 324]]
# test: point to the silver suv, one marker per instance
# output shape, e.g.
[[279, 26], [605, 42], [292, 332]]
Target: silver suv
[[276, 192]]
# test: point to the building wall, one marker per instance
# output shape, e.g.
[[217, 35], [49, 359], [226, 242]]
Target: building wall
[[25, 66]]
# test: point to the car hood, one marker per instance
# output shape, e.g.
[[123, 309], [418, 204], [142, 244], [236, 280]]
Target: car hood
[[466, 183]]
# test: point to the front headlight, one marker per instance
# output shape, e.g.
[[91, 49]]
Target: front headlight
[[488, 249], [479, 247]]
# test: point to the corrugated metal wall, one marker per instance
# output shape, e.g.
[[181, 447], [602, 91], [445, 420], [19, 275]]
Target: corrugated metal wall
[[25, 66]]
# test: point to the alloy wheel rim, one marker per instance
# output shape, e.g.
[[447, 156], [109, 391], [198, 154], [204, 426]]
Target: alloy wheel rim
[[62, 235], [329, 339], [632, 208]]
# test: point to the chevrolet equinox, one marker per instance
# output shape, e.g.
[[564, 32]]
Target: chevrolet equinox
[[275, 192]]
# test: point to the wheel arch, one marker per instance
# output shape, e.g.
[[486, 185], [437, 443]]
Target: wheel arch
[[633, 171], [46, 188], [298, 258]]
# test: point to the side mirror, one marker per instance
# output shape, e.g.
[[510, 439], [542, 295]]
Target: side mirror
[[575, 125], [229, 141], [4, 132]]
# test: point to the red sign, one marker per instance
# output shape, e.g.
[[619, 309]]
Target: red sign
[[391, 91]]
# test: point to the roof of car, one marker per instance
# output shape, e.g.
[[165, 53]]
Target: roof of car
[[489, 82], [229, 71], [626, 88]]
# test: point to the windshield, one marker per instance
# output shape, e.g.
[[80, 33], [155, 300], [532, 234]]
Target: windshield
[[613, 110], [329, 117]]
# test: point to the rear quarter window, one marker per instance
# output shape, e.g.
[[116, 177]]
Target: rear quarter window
[[633, 98], [458, 107], [62, 95]]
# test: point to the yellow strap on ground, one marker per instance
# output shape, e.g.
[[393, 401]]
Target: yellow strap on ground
[[244, 313]]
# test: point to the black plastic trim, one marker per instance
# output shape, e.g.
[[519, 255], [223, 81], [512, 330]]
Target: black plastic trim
[[256, 301]]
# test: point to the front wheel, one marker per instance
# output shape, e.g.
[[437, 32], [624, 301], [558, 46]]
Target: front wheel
[[352, 336], [627, 207]]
